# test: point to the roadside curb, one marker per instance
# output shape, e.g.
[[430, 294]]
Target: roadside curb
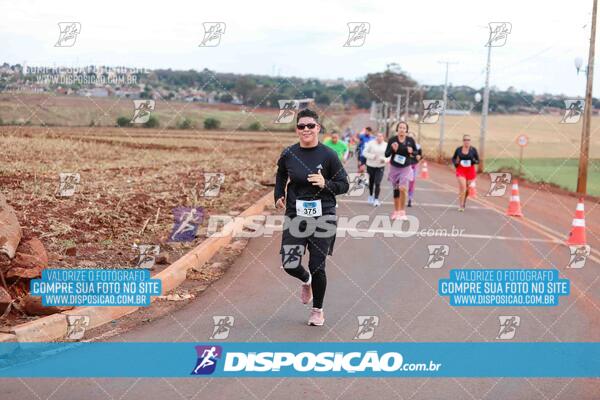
[[54, 327]]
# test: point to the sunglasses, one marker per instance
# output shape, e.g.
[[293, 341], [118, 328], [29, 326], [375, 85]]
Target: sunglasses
[[466, 140], [309, 126]]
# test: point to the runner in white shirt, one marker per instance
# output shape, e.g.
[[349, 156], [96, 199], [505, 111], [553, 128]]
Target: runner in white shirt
[[376, 160]]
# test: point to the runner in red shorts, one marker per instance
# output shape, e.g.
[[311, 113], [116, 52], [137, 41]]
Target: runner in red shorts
[[464, 159]]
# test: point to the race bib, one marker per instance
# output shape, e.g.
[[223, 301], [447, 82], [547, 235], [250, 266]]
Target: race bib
[[465, 163], [399, 159], [308, 208]]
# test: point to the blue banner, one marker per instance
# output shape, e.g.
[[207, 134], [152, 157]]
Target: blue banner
[[504, 287], [95, 287], [303, 359]]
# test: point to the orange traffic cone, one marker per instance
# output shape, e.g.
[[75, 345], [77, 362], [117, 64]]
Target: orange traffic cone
[[514, 207], [472, 190], [577, 234], [424, 171]]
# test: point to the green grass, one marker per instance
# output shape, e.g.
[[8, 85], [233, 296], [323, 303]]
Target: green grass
[[559, 171]]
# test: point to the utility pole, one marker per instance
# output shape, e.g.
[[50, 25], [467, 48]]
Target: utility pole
[[484, 111], [388, 116], [407, 104], [398, 102], [443, 119], [587, 112], [407, 101], [420, 113]]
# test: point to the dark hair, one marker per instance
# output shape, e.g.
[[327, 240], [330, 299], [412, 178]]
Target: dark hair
[[402, 122], [369, 129], [308, 113]]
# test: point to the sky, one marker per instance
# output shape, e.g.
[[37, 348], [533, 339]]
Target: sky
[[305, 39]]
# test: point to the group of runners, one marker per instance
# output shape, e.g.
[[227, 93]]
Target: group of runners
[[310, 175], [373, 153]]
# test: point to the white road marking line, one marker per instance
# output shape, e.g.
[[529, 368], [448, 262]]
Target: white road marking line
[[278, 228], [531, 224], [429, 190], [474, 236], [439, 205], [458, 236]]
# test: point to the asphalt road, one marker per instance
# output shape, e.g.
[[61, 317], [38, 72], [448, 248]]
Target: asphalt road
[[384, 277]]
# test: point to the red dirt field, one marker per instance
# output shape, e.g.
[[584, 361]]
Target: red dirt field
[[130, 182]]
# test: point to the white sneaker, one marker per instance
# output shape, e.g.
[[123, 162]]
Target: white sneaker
[[376, 203], [317, 318], [370, 200]]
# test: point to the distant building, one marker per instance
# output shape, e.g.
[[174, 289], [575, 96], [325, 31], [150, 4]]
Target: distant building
[[94, 92], [128, 93]]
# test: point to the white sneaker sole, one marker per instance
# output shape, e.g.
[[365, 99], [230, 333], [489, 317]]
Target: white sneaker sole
[[315, 324]]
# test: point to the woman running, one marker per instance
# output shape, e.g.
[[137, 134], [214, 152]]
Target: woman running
[[375, 155], [316, 176], [415, 168], [402, 150], [464, 159]]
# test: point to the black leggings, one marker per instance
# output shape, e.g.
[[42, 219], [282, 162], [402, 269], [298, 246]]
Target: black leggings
[[318, 248], [375, 177]]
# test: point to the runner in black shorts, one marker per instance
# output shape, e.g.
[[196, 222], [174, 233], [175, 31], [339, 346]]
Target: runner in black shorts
[[316, 176]]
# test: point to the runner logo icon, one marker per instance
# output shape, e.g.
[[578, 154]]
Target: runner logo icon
[[292, 255], [212, 34], [147, 255], [499, 182], [357, 33], [498, 33], [431, 111], [68, 34], [573, 111], [212, 183], [578, 256], [287, 111], [207, 359], [508, 326], [223, 324], [358, 182], [186, 222], [437, 255], [68, 183], [366, 326], [142, 110]]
